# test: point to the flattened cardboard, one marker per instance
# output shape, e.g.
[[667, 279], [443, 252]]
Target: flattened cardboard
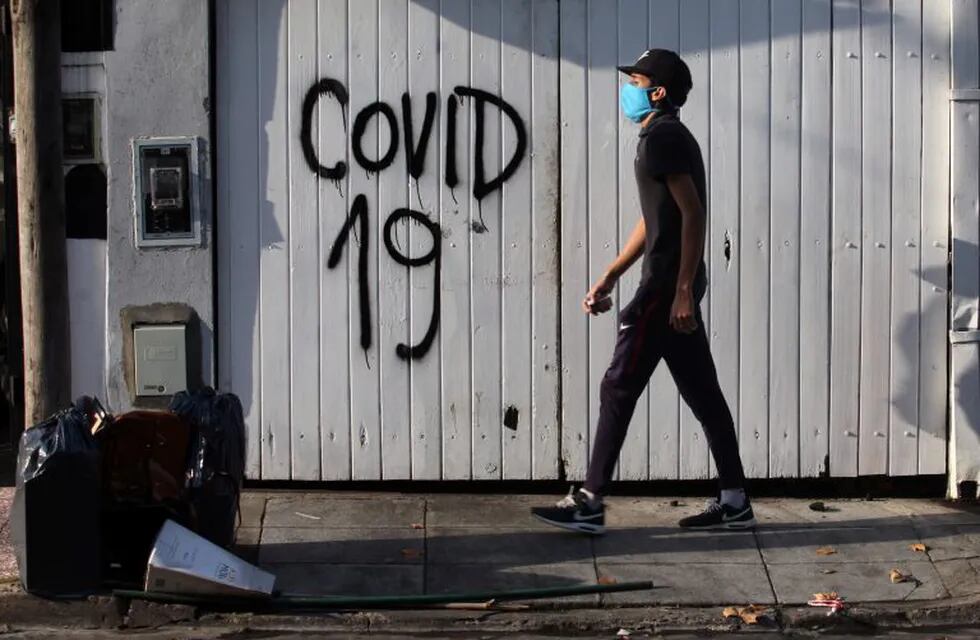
[[184, 562]]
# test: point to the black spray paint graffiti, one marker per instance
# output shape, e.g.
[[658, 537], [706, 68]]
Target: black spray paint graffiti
[[435, 255], [357, 223]]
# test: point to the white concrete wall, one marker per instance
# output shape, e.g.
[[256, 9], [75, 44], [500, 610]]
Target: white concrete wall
[[84, 73], [156, 85], [86, 300]]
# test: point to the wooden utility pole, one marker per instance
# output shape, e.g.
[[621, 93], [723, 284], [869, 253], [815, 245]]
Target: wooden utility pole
[[41, 206]]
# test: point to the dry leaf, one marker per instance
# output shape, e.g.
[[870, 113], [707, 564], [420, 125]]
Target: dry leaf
[[826, 551], [607, 580], [749, 615], [416, 525], [918, 546], [411, 553], [897, 576], [832, 595], [828, 571]]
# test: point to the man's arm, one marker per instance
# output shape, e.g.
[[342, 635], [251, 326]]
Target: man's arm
[[692, 246], [631, 252], [596, 300]]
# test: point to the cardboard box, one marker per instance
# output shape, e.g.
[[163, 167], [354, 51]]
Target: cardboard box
[[184, 562]]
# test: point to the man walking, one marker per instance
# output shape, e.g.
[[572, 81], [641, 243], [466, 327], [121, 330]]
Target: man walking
[[663, 321]]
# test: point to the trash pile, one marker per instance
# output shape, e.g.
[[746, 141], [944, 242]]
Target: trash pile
[[144, 498]]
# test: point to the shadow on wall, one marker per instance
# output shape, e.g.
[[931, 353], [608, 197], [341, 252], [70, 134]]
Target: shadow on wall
[[847, 14], [966, 384], [910, 335], [272, 14]]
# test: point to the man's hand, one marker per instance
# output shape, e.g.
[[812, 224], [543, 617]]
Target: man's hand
[[599, 298], [682, 317]]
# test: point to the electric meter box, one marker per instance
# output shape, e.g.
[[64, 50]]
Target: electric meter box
[[82, 120], [167, 185], [161, 359]]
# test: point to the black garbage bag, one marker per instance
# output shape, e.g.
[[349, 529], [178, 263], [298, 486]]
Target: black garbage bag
[[217, 466], [55, 518]]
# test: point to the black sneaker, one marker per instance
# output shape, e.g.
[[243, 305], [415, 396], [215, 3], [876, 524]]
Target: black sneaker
[[721, 516], [574, 512]]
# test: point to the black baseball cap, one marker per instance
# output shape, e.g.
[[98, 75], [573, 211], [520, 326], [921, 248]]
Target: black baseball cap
[[665, 69]]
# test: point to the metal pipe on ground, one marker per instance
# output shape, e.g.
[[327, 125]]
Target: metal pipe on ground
[[292, 602]]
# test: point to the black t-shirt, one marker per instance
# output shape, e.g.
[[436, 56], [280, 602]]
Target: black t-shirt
[[666, 147]]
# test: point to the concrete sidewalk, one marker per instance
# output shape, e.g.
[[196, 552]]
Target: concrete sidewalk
[[387, 544], [344, 543]]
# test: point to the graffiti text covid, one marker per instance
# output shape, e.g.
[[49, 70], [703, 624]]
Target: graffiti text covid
[[357, 223]]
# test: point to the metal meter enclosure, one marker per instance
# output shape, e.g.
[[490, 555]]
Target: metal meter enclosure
[[167, 192], [82, 125], [161, 359]]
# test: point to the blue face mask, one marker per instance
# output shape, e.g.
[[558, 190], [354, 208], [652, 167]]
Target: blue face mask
[[635, 102]]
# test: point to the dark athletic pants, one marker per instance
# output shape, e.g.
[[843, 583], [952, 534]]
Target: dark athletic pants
[[645, 336]]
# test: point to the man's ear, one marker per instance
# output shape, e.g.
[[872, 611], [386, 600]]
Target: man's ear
[[658, 94]]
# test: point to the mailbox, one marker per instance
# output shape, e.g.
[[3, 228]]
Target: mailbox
[[161, 359], [167, 192]]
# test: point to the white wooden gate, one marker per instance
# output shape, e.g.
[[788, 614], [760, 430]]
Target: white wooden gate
[[825, 128]]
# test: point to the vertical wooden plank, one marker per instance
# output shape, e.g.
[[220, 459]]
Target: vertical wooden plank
[[454, 217], [426, 401], [845, 343], [965, 299], [393, 326], [695, 47], [485, 241], [634, 460], [516, 89], [574, 237], [364, 363], [814, 239], [304, 268], [336, 319], [273, 238], [664, 31], [784, 286], [544, 132], [240, 192], [754, 274], [876, 234], [905, 241], [602, 123], [723, 247], [934, 227]]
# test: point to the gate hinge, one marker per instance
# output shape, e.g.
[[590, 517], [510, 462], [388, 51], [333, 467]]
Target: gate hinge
[[964, 95], [963, 336]]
